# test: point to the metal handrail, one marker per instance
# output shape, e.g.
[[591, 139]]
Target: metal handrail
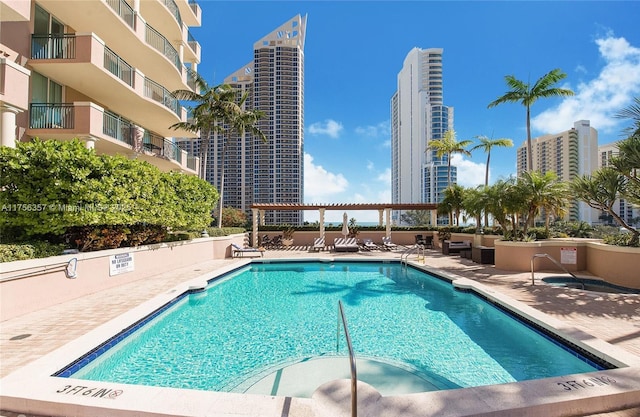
[[352, 359], [558, 264], [404, 258], [69, 268]]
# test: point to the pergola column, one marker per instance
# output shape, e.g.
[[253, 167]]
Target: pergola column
[[321, 210], [388, 215], [380, 216], [261, 217], [254, 236]]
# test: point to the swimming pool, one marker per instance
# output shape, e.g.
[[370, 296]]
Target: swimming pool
[[268, 316]]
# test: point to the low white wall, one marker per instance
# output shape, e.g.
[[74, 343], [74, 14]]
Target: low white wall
[[30, 285]]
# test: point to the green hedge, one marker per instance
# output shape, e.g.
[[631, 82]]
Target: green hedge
[[31, 250], [54, 188]]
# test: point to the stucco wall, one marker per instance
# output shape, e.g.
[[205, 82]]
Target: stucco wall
[[618, 265], [25, 294]]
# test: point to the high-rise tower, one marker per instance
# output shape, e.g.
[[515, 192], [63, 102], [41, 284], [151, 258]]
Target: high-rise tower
[[569, 154], [271, 172], [417, 117]]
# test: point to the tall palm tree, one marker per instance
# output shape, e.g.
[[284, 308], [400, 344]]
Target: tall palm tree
[[448, 145], [526, 94], [209, 107], [487, 144], [632, 112]]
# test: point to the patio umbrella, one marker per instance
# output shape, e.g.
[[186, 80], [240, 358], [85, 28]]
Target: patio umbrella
[[345, 225]]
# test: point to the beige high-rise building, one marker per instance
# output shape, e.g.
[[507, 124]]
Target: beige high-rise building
[[271, 171], [626, 210], [569, 154], [100, 71]]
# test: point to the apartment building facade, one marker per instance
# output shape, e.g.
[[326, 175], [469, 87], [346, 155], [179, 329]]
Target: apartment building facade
[[629, 213], [99, 71], [418, 116], [271, 171], [569, 154]]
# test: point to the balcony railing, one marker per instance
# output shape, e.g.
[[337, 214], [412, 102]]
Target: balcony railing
[[51, 116], [162, 45], [159, 146], [118, 128], [118, 67], [62, 46], [158, 93], [122, 8], [173, 7], [192, 162]]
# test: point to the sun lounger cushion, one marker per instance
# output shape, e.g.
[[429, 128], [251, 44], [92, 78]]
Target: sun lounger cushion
[[346, 244], [238, 251]]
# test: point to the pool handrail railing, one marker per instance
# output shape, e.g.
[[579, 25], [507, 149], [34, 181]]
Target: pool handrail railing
[[352, 359]]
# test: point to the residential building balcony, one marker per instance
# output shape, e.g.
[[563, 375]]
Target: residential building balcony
[[14, 81], [108, 133], [85, 64], [140, 37]]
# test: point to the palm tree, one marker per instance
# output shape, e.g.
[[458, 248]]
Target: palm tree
[[453, 201], [526, 94], [214, 108], [632, 112], [542, 191], [210, 107], [601, 190], [448, 145], [487, 144]]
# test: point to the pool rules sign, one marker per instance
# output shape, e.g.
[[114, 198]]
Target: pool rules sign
[[121, 263], [569, 256]]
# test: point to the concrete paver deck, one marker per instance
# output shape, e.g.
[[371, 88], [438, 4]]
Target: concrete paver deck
[[614, 318]]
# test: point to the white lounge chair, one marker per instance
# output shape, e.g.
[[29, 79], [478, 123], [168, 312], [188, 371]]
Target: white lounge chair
[[238, 251], [318, 243], [341, 244], [369, 245], [388, 244]]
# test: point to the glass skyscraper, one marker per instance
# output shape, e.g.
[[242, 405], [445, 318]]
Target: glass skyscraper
[[418, 116]]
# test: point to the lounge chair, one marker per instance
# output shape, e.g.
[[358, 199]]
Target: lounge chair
[[388, 244], [341, 244], [428, 242], [318, 243], [420, 240], [237, 251], [368, 244]]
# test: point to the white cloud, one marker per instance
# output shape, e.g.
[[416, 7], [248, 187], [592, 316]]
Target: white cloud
[[329, 127], [470, 174], [321, 185], [599, 99], [381, 129]]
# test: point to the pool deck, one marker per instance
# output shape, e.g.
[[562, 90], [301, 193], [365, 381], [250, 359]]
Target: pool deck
[[613, 318]]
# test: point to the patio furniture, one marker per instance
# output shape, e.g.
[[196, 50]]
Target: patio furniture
[[318, 243], [368, 244], [450, 247], [388, 244], [342, 244], [483, 255], [237, 251]]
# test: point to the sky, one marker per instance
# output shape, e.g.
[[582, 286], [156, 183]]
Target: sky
[[355, 49]]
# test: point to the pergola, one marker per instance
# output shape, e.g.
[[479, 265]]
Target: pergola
[[384, 209]]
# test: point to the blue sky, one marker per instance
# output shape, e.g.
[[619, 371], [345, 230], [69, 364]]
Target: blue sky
[[355, 49]]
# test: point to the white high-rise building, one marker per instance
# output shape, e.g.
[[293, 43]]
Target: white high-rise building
[[417, 117]]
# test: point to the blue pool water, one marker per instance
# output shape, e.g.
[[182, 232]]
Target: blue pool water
[[268, 315]]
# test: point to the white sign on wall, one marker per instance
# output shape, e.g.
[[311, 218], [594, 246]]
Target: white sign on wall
[[121, 263], [569, 256]]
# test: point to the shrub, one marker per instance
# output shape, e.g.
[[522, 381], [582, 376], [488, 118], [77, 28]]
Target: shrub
[[31, 250], [97, 201]]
